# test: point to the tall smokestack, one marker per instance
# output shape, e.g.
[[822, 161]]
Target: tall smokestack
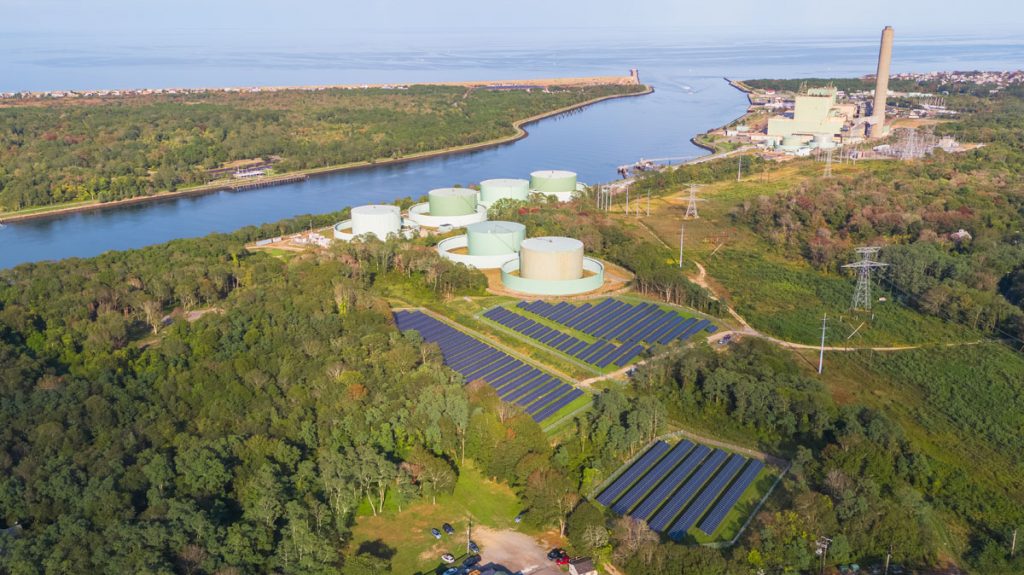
[[881, 83]]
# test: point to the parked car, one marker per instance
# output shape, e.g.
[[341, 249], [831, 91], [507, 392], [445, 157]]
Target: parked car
[[473, 547], [435, 533], [448, 558], [556, 553], [452, 571], [448, 529], [562, 561], [471, 561], [519, 517]]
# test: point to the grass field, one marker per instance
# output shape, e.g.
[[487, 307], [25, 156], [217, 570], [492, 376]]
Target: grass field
[[406, 534]]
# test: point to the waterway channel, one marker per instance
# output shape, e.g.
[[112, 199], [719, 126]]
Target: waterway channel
[[690, 97]]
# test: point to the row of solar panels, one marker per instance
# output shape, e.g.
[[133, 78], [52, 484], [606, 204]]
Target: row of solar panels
[[600, 353], [671, 488], [613, 319], [539, 394]]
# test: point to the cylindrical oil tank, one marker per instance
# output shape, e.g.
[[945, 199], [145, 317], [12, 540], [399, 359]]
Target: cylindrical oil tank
[[553, 181], [501, 188], [551, 258], [379, 220], [452, 201], [494, 238]]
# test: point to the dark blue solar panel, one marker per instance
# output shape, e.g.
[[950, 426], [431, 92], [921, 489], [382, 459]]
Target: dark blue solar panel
[[522, 391], [623, 321], [665, 328], [677, 331], [678, 500], [588, 313], [676, 478], [649, 314], [536, 394], [560, 390], [629, 355], [703, 501], [636, 493], [638, 331], [648, 334], [695, 328], [510, 374], [632, 473], [604, 317], [717, 514], [553, 408], [576, 347]]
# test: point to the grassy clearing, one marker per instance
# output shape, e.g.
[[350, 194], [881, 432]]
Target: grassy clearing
[[407, 533], [780, 295]]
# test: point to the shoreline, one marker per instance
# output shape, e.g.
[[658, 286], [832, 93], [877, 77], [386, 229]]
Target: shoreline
[[519, 127], [744, 89]]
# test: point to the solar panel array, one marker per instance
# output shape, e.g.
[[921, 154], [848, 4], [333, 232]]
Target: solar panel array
[[636, 328], [541, 395], [673, 488]]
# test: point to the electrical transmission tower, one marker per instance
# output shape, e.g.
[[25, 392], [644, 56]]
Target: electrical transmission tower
[[862, 293], [691, 208], [828, 163]]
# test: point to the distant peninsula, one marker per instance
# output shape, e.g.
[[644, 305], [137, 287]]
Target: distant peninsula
[[110, 147]]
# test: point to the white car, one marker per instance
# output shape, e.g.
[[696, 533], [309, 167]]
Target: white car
[[448, 558]]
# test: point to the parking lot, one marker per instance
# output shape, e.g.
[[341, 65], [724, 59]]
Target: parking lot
[[514, 551]]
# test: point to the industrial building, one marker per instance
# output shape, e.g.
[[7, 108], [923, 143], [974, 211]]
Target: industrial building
[[503, 188], [377, 220], [454, 207], [559, 184], [485, 245], [815, 113], [552, 266]]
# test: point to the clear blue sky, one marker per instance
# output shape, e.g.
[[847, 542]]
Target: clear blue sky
[[307, 20]]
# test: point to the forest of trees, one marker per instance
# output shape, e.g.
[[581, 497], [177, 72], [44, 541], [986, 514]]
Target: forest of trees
[[110, 149]]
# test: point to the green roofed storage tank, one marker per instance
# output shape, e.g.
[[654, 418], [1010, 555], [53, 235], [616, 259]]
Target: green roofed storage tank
[[494, 238], [553, 181], [501, 188], [452, 201]]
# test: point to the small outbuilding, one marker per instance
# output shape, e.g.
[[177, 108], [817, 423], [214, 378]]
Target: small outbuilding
[[582, 566]]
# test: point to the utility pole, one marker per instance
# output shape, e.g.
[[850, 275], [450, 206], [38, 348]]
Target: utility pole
[[648, 202], [627, 201], [739, 168], [681, 235], [821, 354], [1013, 544], [828, 163], [821, 550], [888, 557]]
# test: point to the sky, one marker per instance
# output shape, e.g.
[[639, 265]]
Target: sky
[[503, 21]]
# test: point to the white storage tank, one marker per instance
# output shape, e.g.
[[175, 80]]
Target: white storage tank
[[553, 181], [379, 220], [551, 258], [502, 188]]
